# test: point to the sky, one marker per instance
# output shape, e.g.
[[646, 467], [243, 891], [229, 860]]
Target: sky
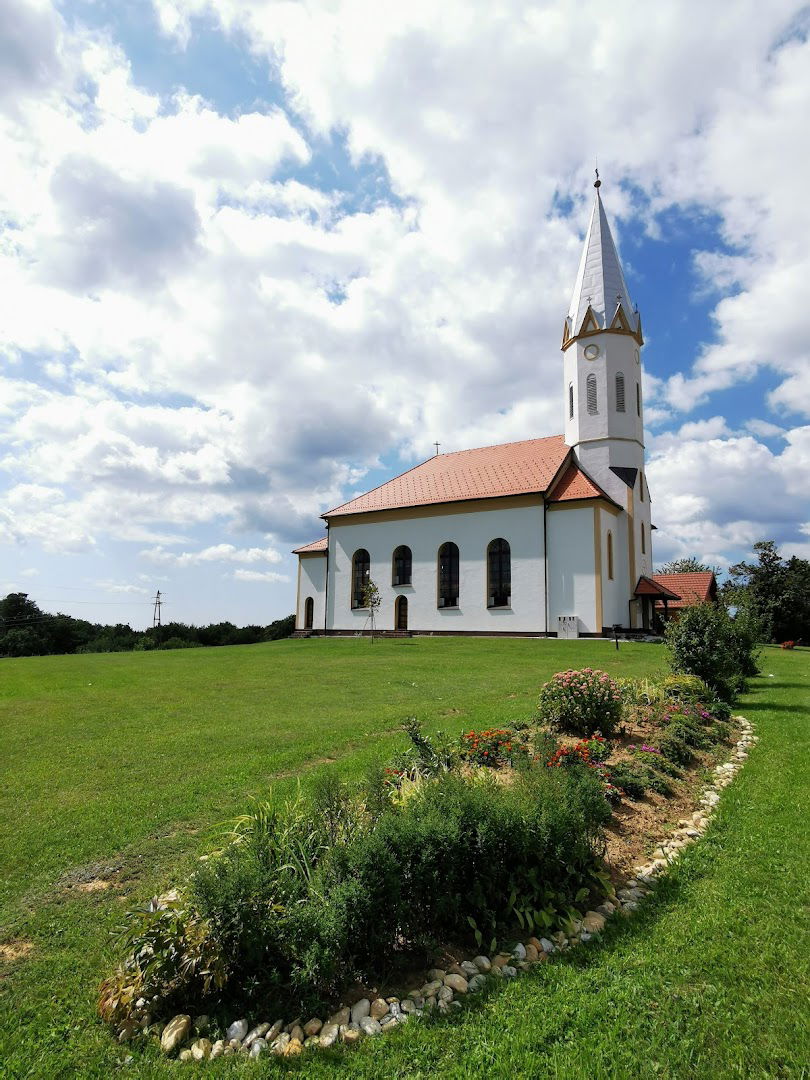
[[256, 256]]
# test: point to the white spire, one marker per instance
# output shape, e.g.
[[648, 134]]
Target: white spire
[[600, 281]]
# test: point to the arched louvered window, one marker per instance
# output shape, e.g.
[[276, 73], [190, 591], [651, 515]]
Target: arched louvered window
[[447, 569], [643, 540], [570, 401], [401, 566], [590, 395], [361, 574], [309, 613], [610, 555], [638, 399], [499, 574], [620, 392]]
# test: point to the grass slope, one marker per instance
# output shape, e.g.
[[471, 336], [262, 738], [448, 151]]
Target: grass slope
[[117, 759]]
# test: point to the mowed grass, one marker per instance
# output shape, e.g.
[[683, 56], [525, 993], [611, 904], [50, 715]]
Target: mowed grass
[[126, 760]]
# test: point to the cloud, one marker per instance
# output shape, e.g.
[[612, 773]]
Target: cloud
[[216, 553], [259, 575]]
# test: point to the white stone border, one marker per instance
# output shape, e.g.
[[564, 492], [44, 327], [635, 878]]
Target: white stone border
[[443, 989]]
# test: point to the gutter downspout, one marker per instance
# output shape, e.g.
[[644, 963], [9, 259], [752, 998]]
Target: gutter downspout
[[545, 561]]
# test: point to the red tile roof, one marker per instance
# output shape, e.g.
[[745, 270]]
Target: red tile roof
[[316, 546], [652, 587], [690, 588], [575, 484], [490, 472]]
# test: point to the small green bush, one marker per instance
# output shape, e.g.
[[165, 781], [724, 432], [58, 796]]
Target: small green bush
[[581, 702], [656, 782], [675, 750], [630, 779], [707, 643], [686, 688]]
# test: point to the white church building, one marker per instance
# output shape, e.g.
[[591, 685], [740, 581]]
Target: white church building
[[547, 536]]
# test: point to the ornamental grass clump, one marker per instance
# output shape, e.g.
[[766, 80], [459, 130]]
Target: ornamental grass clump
[[581, 702]]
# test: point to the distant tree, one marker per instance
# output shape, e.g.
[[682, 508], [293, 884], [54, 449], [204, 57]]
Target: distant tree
[[776, 591], [689, 565], [280, 628]]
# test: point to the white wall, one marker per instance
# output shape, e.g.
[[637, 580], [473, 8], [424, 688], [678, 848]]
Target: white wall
[[615, 593], [311, 582], [521, 526], [571, 567]]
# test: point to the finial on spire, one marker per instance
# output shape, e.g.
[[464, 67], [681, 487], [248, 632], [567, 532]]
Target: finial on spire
[[597, 182]]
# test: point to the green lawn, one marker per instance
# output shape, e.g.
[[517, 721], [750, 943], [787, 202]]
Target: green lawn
[[125, 760]]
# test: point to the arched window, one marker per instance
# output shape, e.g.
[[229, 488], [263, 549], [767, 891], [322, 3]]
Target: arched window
[[570, 401], [448, 575], [610, 555], [620, 392], [361, 574], [499, 574], [590, 395], [643, 540], [401, 566], [638, 399], [309, 613]]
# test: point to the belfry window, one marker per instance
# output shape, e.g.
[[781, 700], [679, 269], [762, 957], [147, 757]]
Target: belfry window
[[401, 568], [499, 574], [643, 540], [590, 395], [361, 574], [638, 399], [570, 401], [620, 392], [641, 487], [610, 556], [447, 569]]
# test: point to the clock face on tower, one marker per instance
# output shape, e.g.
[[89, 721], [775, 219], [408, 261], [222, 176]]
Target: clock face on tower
[[591, 352]]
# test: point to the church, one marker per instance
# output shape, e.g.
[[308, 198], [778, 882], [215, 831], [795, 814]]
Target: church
[[542, 537]]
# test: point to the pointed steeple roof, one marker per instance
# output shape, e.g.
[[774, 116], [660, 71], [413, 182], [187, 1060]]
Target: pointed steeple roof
[[600, 286]]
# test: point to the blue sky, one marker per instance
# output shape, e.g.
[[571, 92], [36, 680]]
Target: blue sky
[[257, 257]]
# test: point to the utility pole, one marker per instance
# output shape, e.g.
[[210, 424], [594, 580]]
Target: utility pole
[[156, 611]]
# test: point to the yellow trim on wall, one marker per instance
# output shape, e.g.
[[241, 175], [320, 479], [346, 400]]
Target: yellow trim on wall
[[461, 506], [298, 597], [597, 566], [631, 548]]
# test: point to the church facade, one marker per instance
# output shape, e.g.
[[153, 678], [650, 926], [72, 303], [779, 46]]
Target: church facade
[[549, 536]]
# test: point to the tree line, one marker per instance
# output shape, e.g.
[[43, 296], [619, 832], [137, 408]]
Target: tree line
[[772, 590], [26, 630]]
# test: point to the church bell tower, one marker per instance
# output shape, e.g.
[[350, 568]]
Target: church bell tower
[[604, 414]]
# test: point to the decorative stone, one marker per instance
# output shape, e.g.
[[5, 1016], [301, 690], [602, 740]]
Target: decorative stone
[[258, 1046], [329, 1034], [273, 1032], [409, 1006], [546, 945], [360, 1009], [500, 960], [218, 1049], [593, 922], [342, 1016], [477, 983], [483, 964], [519, 951], [468, 969], [430, 989], [311, 1041], [175, 1033], [445, 994], [456, 982], [379, 1007], [436, 973], [297, 1033], [237, 1030], [531, 954], [509, 972], [235, 1044], [258, 1032], [201, 1049], [313, 1026], [370, 1026], [351, 1035], [280, 1044], [185, 1055], [454, 969]]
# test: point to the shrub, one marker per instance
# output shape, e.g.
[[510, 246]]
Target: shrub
[[686, 688], [497, 746], [675, 750], [707, 643], [426, 756], [657, 783], [631, 780], [581, 702], [599, 749], [652, 759]]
